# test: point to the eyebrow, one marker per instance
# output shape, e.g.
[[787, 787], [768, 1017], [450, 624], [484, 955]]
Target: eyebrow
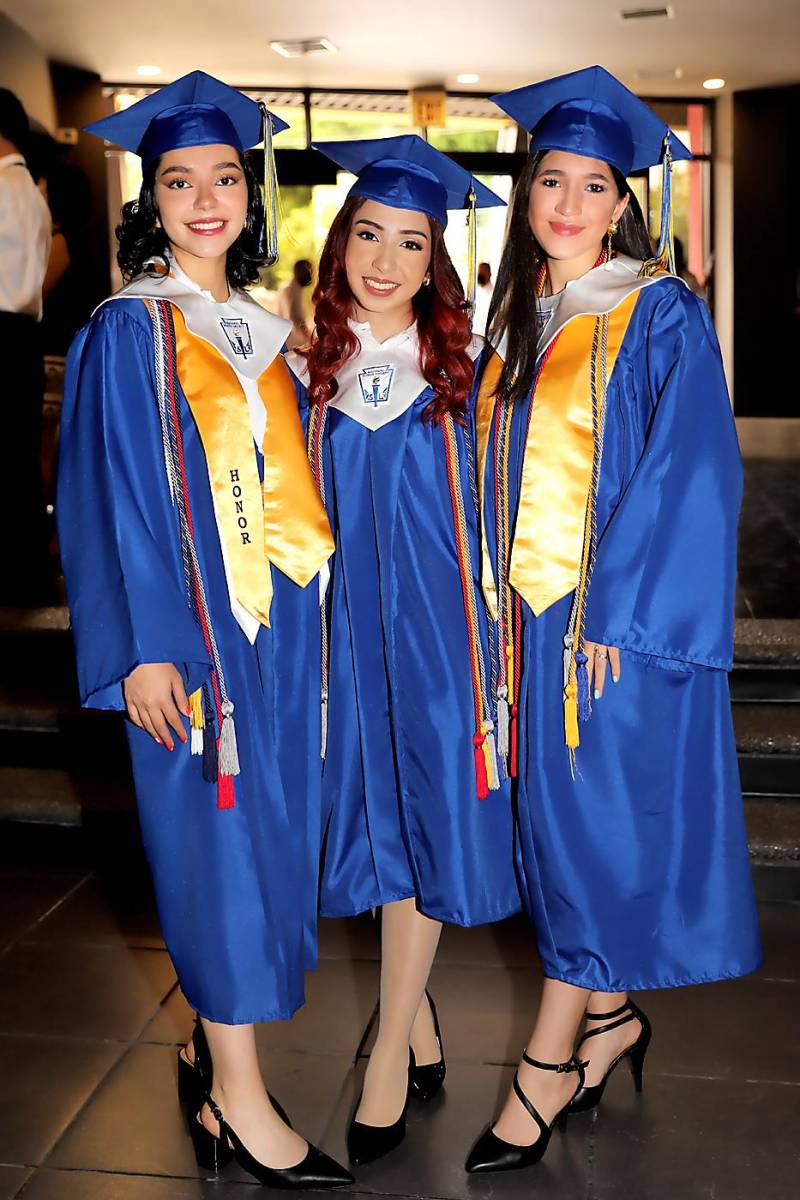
[[375, 225], [226, 166], [588, 175]]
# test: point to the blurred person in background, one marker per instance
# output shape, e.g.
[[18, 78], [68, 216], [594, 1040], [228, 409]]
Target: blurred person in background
[[683, 272], [24, 252], [483, 297], [293, 303]]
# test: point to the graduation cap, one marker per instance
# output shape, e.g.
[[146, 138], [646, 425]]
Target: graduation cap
[[592, 114], [407, 172], [199, 110]]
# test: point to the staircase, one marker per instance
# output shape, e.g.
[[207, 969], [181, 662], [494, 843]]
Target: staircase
[[63, 766]]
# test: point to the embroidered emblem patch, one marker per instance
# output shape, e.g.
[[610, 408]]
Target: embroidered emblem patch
[[237, 331], [376, 384], [543, 320]]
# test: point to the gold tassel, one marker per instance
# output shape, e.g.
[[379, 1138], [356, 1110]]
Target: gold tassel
[[571, 735], [196, 722], [472, 253]]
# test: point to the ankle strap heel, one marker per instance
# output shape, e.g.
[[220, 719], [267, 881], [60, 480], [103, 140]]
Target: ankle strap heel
[[587, 1098]]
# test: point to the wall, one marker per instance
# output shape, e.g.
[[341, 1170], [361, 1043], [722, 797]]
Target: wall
[[723, 231], [25, 70]]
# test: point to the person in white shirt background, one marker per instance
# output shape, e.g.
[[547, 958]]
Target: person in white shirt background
[[25, 226], [483, 296]]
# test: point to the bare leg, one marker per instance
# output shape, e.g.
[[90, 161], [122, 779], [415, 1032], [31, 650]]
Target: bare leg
[[408, 946], [599, 1052], [239, 1091], [560, 1011]]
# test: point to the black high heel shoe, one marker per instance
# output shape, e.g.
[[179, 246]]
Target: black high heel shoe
[[366, 1143], [587, 1098], [195, 1078], [213, 1152], [426, 1080], [491, 1153]]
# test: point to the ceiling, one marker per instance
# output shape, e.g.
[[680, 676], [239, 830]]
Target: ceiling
[[751, 43]]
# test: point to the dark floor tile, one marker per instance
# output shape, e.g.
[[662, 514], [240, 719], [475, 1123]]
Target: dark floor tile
[[102, 914], [741, 1029], [780, 935], [134, 1122], [431, 1160], [45, 1081], [486, 1013], [107, 992], [697, 1139], [25, 899], [11, 1180], [88, 1185], [340, 999]]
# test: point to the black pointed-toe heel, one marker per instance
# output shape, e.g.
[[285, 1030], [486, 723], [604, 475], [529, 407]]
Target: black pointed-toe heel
[[587, 1098], [213, 1152], [427, 1080], [491, 1153], [195, 1079], [367, 1143]]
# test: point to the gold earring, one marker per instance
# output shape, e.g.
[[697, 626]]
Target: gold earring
[[612, 229]]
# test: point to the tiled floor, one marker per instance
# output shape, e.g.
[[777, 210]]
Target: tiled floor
[[90, 1016]]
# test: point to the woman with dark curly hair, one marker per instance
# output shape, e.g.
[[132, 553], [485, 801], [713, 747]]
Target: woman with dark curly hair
[[192, 535], [418, 821]]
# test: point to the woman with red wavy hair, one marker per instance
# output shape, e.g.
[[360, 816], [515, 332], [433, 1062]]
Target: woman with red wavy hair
[[418, 821]]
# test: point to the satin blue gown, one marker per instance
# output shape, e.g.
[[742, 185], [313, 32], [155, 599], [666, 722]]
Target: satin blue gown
[[402, 817], [636, 873], [237, 888]]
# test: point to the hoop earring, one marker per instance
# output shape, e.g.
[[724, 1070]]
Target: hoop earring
[[427, 281]]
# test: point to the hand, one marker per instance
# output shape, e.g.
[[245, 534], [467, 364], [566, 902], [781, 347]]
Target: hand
[[598, 657], [156, 698]]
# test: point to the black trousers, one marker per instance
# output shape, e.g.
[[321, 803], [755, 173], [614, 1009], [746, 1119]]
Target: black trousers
[[25, 577]]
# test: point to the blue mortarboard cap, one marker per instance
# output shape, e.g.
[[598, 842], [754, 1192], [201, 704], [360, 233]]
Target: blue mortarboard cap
[[196, 110], [406, 172], [591, 113]]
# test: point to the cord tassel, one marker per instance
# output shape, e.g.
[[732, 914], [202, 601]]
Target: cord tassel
[[490, 754], [571, 735], [324, 719], [226, 797], [196, 722], [481, 782], [472, 250], [268, 238], [582, 680], [502, 723], [228, 752]]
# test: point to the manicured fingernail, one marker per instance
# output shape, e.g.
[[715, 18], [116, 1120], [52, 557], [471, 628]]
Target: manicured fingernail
[[188, 710], [615, 678], [159, 742], [170, 746], [596, 694], [183, 737]]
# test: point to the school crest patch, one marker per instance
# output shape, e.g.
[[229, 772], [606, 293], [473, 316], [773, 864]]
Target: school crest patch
[[376, 384], [237, 331]]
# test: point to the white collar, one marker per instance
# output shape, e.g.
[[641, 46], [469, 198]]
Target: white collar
[[363, 331], [12, 160], [264, 333]]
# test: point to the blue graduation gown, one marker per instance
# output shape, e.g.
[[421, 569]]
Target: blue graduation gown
[[636, 873], [236, 889], [402, 817]]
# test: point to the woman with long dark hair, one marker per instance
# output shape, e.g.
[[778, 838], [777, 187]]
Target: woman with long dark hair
[[612, 483], [192, 535], [417, 817]]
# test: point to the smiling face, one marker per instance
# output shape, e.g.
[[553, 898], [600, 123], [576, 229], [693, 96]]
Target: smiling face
[[201, 195], [572, 202], [387, 256]]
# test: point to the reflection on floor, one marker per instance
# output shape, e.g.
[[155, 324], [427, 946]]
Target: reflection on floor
[[90, 1016]]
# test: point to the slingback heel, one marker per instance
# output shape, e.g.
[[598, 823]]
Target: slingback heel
[[213, 1152], [587, 1098], [195, 1079], [427, 1080], [491, 1153]]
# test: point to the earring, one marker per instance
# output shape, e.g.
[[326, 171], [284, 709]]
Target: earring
[[612, 229], [426, 281]]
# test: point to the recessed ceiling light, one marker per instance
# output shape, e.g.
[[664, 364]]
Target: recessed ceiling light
[[467, 77], [713, 85], [303, 47], [148, 70]]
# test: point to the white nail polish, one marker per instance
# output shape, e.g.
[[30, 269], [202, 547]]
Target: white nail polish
[[596, 694]]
